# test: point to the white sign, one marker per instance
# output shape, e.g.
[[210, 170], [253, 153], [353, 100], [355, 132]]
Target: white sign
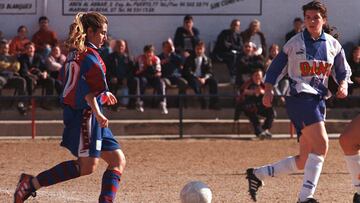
[[164, 7], [18, 7]]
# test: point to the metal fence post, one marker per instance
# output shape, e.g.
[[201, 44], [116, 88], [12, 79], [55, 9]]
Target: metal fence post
[[181, 115]]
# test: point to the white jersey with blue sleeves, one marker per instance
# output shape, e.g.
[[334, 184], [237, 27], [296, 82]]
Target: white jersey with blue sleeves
[[309, 63]]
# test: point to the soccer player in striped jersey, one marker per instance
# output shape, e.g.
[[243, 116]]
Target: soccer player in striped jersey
[[309, 58], [86, 134]]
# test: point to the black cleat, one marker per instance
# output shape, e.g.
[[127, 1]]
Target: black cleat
[[356, 198], [309, 200], [24, 189], [254, 183]]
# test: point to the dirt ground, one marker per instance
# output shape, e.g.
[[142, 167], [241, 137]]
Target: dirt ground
[[158, 169]]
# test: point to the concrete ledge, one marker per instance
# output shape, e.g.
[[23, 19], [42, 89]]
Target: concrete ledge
[[160, 127]]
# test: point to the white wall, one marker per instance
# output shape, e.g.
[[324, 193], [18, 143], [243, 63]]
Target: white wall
[[276, 18]]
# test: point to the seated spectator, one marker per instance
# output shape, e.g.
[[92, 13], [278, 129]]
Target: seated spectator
[[298, 27], [119, 68], [229, 46], [54, 63], [34, 70], [148, 72], [198, 73], [9, 75], [247, 63], [283, 85], [171, 67], [253, 34], [44, 38], [17, 44], [186, 37], [106, 49], [354, 63], [250, 101]]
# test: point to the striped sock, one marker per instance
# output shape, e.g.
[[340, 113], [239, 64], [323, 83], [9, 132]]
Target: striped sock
[[59, 173], [110, 184]]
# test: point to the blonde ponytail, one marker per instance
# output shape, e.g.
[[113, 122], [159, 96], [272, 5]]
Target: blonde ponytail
[[79, 27], [77, 34]]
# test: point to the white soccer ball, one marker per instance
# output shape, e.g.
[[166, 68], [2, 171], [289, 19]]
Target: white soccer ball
[[196, 192]]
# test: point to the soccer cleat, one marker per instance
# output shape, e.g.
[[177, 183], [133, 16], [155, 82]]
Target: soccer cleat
[[356, 198], [309, 200], [254, 183], [21, 108], [163, 108], [139, 107], [24, 189]]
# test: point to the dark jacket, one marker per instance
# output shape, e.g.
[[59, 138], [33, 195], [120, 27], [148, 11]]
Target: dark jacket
[[171, 66], [119, 66], [35, 68], [179, 40], [227, 41], [246, 35], [190, 67]]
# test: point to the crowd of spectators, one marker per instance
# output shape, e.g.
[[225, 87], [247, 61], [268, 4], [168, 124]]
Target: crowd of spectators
[[182, 62]]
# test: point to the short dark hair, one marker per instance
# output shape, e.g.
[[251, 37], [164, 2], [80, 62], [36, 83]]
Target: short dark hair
[[201, 44], [298, 19], [316, 5], [149, 47], [29, 44], [43, 18], [188, 18], [21, 27]]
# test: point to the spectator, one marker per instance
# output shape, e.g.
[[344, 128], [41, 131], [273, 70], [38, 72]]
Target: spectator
[[106, 49], [34, 70], [283, 86], [186, 37], [44, 38], [198, 73], [354, 63], [119, 68], [229, 46], [250, 101], [9, 75], [253, 34], [247, 63], [148, 72], [298, 27], [171, 67], [54, 63], [17, 45]]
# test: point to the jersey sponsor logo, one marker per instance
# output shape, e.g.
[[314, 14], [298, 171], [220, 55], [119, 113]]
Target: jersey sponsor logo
[[316, 68]]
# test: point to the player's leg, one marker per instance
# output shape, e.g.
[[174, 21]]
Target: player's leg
[[350, 144], [61, 172], [111, 177], [318, 143], [115, 158]]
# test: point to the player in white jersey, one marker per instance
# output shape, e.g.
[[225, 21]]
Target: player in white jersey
[[309, 58], [350, 144]]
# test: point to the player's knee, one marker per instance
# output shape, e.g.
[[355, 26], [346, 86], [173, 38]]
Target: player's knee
[[87, 167], [118, 161]]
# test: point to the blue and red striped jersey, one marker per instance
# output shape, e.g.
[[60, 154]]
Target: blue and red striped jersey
[[82, 74]]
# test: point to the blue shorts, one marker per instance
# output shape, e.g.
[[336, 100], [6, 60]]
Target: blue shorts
[[305, 109], [83, 135]]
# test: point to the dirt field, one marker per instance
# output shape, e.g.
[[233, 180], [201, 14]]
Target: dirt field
[[157, 170]]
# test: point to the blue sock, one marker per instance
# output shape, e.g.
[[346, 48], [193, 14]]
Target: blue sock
[[62, 172], [110, 185]]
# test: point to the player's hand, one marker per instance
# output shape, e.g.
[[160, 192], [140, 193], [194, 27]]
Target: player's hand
[[102, 120], [111, 99], [268, 98], [342, 91]]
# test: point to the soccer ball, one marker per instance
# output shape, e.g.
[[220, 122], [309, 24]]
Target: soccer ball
[[196, 192]]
